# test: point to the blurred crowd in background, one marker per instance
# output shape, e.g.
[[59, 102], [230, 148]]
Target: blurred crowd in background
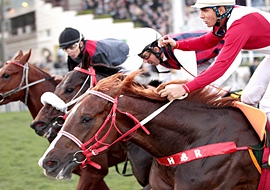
[[144, 13], [155, 14]]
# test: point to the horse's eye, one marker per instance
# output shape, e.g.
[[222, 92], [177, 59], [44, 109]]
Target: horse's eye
[[69, 90], [5, 76], [86, 119]]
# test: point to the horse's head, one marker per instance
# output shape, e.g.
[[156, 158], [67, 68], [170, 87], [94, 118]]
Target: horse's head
[[46, 122], [12, 77], [73, 85], [63, 154]]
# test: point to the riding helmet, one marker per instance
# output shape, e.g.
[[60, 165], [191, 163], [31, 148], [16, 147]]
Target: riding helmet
[[69, 37], [213, 3]]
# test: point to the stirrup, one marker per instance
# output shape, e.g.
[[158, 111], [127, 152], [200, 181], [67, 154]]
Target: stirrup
[[267, 164], [269, 160]]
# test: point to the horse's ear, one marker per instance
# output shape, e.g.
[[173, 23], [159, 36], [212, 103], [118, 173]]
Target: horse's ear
[[86, 60], [20, 54], [25, 58]]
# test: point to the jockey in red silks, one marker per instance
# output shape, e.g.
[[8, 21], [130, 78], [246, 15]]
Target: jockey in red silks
[[240, 28], [194, 62]]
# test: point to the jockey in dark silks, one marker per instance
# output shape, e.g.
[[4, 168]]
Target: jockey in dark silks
[[166, 58], [112, 52]]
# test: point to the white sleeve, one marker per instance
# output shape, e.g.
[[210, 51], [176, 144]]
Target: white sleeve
[[165, 74], [258, 83], [189, 61]]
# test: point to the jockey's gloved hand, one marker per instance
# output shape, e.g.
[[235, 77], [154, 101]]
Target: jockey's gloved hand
[[166, 40]]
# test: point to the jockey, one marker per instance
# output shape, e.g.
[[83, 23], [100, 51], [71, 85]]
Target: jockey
[[109, 51], [241, 28], [193, 62]]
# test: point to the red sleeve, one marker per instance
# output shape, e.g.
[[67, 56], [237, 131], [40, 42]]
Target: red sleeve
[[235, 39], [204, 42]]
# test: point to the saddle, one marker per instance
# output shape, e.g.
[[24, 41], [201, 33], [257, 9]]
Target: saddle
[[255, 116]]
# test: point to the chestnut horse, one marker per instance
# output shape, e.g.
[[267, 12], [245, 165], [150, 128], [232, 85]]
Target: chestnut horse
[[74, 84], [199, 143], [22, 81]]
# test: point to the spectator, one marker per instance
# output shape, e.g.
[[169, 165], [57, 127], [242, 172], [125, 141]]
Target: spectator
[[257, 3], [150, 13], [253, 67], [241, 2]]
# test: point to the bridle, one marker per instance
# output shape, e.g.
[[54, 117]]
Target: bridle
[[46, 97], [91, 72], [21, 87], [98, 145], [48, 100]]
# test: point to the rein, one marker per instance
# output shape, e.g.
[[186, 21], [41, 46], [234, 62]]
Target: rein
[[95, 148], [90, 72], [20, 87]]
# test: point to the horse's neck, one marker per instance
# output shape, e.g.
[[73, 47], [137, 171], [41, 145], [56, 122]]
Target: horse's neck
[[172, 131], [184, 125], [160, 130], [35, 92]]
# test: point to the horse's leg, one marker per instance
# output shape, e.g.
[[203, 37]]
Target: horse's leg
[[91, 179], [148, 187], [159, 179], [140, 161]]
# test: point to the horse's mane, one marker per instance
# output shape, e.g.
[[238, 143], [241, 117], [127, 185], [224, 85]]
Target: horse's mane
[[40, 70], [19, 57], [110, 84], [127, 85], [105, 70]]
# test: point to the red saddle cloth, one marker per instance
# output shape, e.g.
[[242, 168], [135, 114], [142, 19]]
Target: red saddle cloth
[[265, 175]]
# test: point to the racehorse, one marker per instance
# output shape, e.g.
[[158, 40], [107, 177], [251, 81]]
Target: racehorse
[[22, 81], [198, 143], [74, 84]]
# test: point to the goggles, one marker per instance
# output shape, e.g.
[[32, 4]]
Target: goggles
[[146, 54], [73, 47]]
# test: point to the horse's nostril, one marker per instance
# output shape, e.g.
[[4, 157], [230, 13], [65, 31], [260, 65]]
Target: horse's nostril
[[38, 124], [51, 164]]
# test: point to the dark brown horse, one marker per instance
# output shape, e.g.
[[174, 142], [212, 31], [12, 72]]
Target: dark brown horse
[[22, 81], [199, 143], [74, 84]]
